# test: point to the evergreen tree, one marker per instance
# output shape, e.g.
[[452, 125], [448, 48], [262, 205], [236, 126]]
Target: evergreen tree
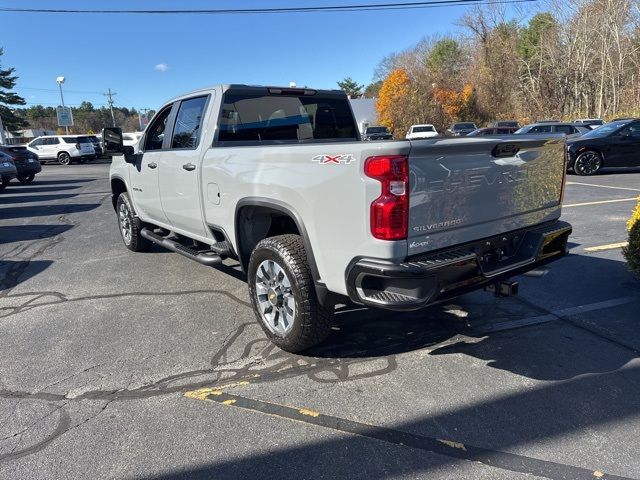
[[10, 120], [351, 87]]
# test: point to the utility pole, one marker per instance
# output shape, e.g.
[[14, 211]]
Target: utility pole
[[110, 94], [144, 111]]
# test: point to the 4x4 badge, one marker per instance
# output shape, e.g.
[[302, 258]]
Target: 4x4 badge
[[336, 159]]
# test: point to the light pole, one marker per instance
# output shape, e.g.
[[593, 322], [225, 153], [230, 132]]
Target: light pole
[[60, 81]]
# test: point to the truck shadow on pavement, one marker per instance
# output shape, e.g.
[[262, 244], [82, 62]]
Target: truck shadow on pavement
[[14, 272], [45, 210], [23, 233]]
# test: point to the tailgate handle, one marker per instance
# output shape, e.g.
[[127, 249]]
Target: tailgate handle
[[505, 150]]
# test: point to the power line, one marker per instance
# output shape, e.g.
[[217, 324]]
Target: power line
[[236, 11]]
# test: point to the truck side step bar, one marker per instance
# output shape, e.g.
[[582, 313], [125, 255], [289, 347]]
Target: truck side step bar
[[208, 258]]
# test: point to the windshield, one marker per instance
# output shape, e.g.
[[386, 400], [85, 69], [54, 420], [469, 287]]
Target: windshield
[[424, 128], [464, 126], [377, 130], [85, 140], [605, 130]]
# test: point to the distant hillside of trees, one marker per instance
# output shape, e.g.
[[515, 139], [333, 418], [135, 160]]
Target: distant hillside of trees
[[86, 118], [572, 59]]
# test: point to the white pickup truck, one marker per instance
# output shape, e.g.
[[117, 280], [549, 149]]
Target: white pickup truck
[[279, 179]]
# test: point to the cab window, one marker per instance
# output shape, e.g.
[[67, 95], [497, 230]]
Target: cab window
[[186, 132], [155, 136]]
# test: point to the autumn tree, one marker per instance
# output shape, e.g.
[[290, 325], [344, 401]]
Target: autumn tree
[[394, 94], [9, 99]]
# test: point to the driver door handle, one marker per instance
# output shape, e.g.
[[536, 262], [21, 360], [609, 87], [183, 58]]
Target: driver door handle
[[189, 166], [152, 165]]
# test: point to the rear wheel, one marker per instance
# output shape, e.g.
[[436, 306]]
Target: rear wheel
[[25, 179], [587, 163], [283, 294], [129, 227], [4, 182], [64, 158]]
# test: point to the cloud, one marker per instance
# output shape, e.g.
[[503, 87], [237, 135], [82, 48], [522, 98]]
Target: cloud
[[161, 67]]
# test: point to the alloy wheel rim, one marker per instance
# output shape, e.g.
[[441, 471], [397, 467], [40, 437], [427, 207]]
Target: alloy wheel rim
[[275, 297], [588, 163], [64, 159], [125, 223]]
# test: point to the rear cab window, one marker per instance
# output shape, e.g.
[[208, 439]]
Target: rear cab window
[[284, 116]]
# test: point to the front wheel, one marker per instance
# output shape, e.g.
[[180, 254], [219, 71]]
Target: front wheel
[[587, 163], [26, 179], [129, 228], [64, 158], [283, 294]]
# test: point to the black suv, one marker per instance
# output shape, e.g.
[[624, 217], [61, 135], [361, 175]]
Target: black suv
[[26, 162], [377, 133], [461, 129]]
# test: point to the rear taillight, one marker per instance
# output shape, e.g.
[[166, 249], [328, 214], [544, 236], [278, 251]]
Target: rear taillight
[[390, 211]]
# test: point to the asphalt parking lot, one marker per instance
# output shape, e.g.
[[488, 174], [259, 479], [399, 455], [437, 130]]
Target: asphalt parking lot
[[150, 366]]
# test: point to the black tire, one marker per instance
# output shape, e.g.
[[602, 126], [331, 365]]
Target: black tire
[[587, 163], [64, 158], [127, 221], [311, 322], [26, 179], [4, 182]]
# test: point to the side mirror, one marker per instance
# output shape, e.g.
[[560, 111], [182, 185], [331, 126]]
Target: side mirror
[[112, 141]]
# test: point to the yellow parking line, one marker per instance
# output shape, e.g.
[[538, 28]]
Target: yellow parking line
[[604, 186], [610, 246], [634, 199]]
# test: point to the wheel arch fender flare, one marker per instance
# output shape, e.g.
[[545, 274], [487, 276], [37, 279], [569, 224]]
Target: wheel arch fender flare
[[297, 219]]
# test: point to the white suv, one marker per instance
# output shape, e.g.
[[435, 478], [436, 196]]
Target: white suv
[[63, 148], [421, 131]]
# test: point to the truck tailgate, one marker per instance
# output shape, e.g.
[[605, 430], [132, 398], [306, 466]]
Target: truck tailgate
[[466, 189]]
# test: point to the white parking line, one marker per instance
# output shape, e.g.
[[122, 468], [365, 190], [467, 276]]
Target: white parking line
[[604, 186], [600, 202], [610, 246]]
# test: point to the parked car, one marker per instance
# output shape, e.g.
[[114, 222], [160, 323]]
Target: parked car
[[377, 133], [276, 178], [507, 123], [131, 138], [461, 129], [421, 131], [26, 162], [615, 144], [97, 145], [64, 149], [492, 131], [590, 122], [568, 129], [7, 170]]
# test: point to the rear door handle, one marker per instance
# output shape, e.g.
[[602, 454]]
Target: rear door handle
[[189, 166], [153, 165]]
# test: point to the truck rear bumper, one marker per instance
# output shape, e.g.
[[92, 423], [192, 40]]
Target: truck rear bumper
[[427, 279]]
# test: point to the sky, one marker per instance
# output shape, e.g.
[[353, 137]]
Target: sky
[[147, 59]]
